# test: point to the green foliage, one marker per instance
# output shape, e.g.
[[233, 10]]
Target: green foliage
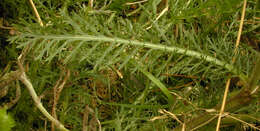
[[6, 120], [13, 10], [119, 5], [193, 38]]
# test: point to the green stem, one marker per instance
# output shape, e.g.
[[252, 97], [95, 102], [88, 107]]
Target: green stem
[[38, 103], [174, 49]]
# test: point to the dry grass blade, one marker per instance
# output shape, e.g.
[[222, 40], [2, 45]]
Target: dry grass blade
[[36, 13], [205, 123], [174, 117], [163, 111], [233, 60], [90, 3], [251, 125], [254, 90], [160, 15], [166, 114], [133, 3], [183, 127], [159, 117]]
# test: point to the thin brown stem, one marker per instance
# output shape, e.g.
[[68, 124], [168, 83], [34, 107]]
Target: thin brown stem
[[92, 122], [57, 91], [55, 103], [233, 60]]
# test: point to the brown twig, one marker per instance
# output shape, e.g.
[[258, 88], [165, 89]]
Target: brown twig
[[55, 103], [92, 122], [85, 119], [56, 91]]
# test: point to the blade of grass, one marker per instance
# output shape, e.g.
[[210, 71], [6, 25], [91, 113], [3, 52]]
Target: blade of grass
[[159, 84]]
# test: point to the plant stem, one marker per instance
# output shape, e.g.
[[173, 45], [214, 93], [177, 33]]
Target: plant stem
[[173, 49], [38, 103], [32, 92]]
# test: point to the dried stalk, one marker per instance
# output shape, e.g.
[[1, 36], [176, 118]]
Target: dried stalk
[[55, 103], [233, 60], [92, 122], [36, 13], [56, 91]]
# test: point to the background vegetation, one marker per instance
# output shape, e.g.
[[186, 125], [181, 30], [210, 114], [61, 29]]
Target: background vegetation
[[121, 65]]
